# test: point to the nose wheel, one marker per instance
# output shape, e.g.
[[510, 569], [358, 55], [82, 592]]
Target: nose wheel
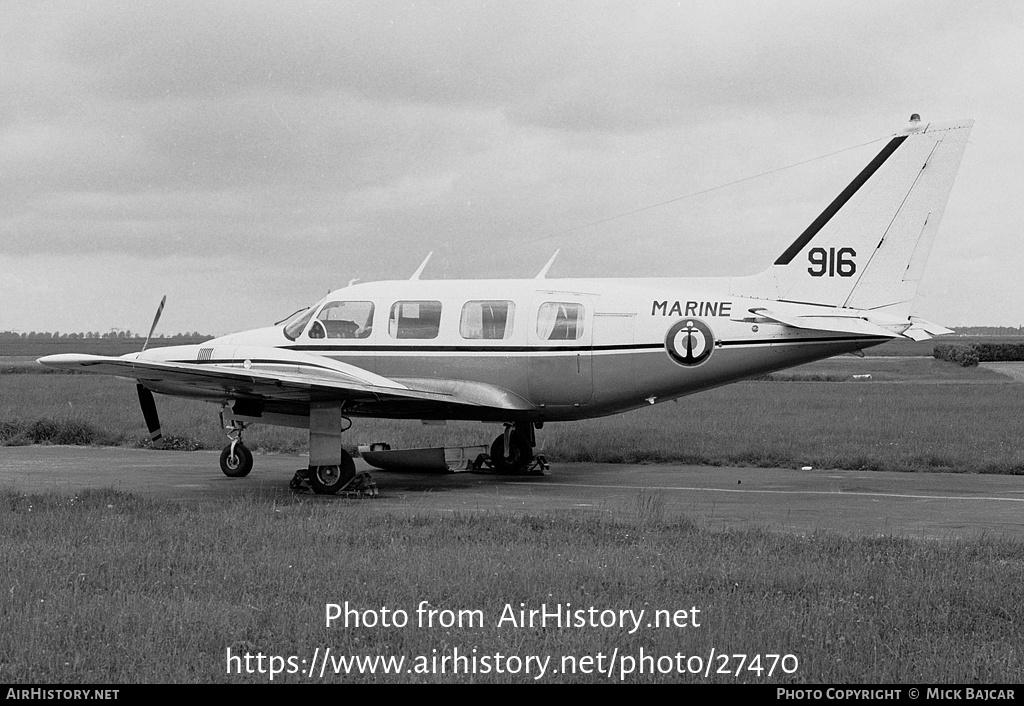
[[235, 459], [236, 462]]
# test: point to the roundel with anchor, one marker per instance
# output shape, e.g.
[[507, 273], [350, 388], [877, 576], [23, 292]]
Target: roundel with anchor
[[689, 342]]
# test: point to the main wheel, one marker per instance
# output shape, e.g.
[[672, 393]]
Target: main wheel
[[238, 464], [520, 453], [328, 480]]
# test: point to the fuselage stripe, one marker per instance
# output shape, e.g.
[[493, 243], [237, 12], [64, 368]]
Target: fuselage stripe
[[619, 348]]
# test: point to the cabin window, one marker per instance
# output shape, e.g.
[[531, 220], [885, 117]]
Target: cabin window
[[415, 319], [343, 320], [490, 320], [560, 321]]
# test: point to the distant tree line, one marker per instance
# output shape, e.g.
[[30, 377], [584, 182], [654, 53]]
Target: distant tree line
[[989, 331], [36, 343], [110, 335]]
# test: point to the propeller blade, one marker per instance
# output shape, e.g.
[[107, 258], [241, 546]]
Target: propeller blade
[[149, 412], [159, 310]]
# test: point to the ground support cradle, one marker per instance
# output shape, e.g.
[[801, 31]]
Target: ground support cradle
[[538, 466], [362, 485]]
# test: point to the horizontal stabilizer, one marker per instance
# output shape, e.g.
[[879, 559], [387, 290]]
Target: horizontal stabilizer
[[853, 322], [921, 330], [839, 323]]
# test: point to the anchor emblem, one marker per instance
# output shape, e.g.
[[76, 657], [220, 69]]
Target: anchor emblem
[[689, 342]]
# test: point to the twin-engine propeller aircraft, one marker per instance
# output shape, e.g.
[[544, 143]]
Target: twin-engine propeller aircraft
[[527, 352]]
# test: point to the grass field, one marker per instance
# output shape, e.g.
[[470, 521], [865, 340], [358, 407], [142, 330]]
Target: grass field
[[109, 588], [104, 587]]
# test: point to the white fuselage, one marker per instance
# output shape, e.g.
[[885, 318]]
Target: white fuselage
[[571, 348]]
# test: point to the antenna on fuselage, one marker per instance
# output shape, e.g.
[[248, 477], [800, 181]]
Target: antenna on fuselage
[[419, 270], [544, 270]]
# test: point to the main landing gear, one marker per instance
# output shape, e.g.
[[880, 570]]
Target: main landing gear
[[331, 468], [335, 480], [328, 480], [512, 451]]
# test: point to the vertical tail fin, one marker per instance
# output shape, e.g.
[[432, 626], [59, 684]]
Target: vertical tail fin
[[868, 249]]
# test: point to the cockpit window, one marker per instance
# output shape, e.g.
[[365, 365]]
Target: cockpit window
[[293, 329], [415, 319], [343, 320]]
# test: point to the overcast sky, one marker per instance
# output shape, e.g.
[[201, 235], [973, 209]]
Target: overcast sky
[[244, 158]]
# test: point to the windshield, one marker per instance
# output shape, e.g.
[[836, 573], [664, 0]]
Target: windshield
[[290, 316], [297, 322]]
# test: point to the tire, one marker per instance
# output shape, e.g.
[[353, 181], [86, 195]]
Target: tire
[[520, 454], [328, 480], [238, 465]]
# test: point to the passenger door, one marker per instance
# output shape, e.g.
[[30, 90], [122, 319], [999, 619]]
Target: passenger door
[[560, 338]]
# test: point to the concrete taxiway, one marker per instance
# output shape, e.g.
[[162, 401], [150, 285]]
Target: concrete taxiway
[[929, 505]]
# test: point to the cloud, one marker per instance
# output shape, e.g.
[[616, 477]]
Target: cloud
[[358, 135]]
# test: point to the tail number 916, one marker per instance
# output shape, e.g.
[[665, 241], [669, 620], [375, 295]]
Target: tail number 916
[[832, 262]]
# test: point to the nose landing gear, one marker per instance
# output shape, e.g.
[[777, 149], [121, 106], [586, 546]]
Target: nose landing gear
[[235, 459]]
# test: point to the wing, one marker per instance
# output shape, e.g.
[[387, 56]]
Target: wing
[[280, 381]]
